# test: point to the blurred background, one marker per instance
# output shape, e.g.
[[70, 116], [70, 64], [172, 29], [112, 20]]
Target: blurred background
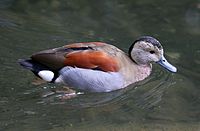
[[162, 102]]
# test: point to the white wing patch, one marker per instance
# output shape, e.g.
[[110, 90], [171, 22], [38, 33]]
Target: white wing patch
[[46, 75]]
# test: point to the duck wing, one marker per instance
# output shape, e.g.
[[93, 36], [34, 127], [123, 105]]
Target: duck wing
[[89, 55]]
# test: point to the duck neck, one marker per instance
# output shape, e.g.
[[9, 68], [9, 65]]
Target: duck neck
[[143, 71]]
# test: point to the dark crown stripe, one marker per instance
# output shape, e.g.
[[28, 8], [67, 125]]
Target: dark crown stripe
[[151, 40]]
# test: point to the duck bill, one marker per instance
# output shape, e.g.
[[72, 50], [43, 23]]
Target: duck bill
[[164, 63]]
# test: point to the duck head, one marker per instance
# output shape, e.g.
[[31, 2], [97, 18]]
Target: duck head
[[146, 50]]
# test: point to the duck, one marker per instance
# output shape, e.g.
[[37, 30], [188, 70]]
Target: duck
[[98, 66]]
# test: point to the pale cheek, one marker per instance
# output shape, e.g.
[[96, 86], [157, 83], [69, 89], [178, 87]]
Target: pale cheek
[[154, 58]]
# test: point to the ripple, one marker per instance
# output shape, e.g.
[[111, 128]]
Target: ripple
[[153, 90], [145, 94], [7, 23]]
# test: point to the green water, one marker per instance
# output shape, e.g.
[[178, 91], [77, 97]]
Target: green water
[[162, 102]]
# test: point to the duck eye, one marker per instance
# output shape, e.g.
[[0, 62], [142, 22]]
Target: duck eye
[[152, 52]]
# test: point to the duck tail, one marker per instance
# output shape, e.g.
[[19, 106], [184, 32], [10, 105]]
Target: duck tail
[[29, 64], [26, 63], [32, 65], [38, 69]]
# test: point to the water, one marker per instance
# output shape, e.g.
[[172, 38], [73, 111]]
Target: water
[[164, 101]]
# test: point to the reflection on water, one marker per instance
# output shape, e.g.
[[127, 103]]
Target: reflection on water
[[164, 101]]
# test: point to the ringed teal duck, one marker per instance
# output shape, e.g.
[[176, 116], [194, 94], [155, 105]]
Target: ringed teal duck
[[97, 66]]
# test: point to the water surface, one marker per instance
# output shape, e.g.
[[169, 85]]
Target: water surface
[[164, 101]]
